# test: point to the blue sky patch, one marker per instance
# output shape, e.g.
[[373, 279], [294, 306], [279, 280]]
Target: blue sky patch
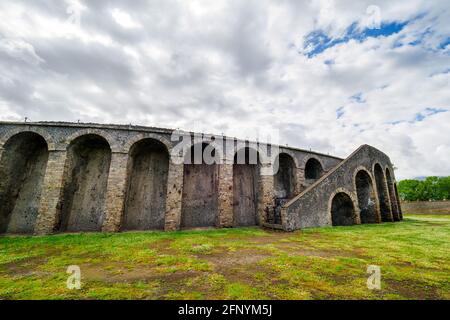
[[340, 112], [358, 98], [419, 117], [444, 43], [426, 113], [318, 41]]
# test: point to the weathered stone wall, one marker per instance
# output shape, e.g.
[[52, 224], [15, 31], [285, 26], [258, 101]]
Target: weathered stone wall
[[245, 194], [426, 207], [22, 171], [312, 208], [82, 204], [200, 196], [145, 203], [109, 188], [367, 201]]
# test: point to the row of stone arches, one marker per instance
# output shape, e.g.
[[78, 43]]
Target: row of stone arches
[[376, 199], [82, 207]]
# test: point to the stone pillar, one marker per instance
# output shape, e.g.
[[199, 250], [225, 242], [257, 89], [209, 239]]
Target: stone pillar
[[51, 192], [299, 180], [174, 195], [266, 195], [225, 195], [388, 199], [115, 192]]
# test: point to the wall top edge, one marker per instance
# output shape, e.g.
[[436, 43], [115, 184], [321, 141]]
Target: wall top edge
[[142, 129]]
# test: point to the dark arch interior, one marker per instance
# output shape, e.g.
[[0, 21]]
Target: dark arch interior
[[245, 187], [392, 196], [400, 213], [82, 205], [313, 169], [22, 168], [145, 203], [200, 192], [385, 210], [342, 210], [366, 198], [285, 177]]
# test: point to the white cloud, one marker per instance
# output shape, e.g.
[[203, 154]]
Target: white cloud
[[124, 19], [234, 67]]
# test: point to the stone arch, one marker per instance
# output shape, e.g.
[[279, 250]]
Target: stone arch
[[369, 211], [51, 145], [148, 135], [293, 156], [382, 191], [342, 208], [97, 132], [314, 168], [82, 203], [199, 207], [392, 195], [398, 202], [145, 200], [245, 187], [285, 178], [22, 170]]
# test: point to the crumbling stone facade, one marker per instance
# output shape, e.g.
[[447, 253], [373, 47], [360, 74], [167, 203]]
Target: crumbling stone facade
[[67, 177]]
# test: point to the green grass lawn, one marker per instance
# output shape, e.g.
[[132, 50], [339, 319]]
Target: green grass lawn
[[322, 263]]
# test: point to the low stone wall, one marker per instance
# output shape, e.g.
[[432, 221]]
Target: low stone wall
[[426, 207]]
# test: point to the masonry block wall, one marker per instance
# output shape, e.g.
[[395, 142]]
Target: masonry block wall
[[339, 198], [65, 177]]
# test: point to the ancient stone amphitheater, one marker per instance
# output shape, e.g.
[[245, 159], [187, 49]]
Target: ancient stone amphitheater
[[71, 177]]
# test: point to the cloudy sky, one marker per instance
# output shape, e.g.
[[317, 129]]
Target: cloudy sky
[[329, 75]]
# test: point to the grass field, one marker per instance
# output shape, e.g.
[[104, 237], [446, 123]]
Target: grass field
[[323, 263]]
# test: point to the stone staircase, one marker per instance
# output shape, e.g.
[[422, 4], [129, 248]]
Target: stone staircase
[[311, 208]]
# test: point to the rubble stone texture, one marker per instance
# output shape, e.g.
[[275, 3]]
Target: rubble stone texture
[[61, 177]]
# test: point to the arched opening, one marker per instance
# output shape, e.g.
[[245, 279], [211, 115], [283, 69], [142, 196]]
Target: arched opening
[[394, 204], [383, 198], [145, 202], [22, 171], [245, 188], [342, 210], [200, 190], [366, 198], [313, 170], [82, 205], [398, 202], [285, 177]]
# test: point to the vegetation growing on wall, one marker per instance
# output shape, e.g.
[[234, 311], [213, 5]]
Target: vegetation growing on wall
[[432, 188]]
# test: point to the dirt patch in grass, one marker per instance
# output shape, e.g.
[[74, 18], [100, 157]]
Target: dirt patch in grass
[[121, 274], [28, 266], [25, 267], [411, 289], [163, 247], [295, 249], [240, 265]]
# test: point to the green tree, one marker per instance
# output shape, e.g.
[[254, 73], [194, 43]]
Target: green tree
[[408, 190], [432, 188]]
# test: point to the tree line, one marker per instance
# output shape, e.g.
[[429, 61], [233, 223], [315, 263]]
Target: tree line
[[429, 189]]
